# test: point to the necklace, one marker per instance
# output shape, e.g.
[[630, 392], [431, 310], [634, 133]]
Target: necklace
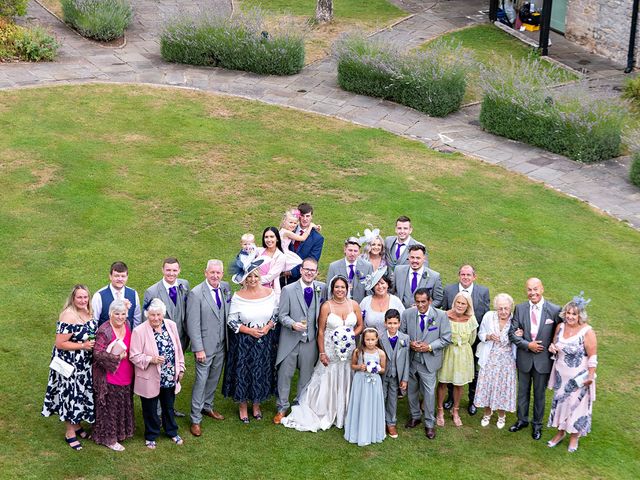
[[339, 303]]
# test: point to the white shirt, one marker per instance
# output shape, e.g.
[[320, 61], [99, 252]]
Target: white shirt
[[167, 286], [420, 271], [96, 304], [469, 289]]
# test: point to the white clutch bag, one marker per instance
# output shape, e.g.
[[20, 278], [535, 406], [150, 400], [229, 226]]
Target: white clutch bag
[[580, 379], [63, 368]]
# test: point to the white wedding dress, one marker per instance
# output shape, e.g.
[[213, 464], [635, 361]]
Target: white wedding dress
[[324, 401]]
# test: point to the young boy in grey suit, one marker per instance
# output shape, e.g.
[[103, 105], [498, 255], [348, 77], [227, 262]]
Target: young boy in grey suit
[[396, 375]]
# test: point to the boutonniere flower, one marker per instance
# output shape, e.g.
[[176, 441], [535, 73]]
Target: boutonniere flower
[[403, 343], [360, 275], [181, 288], [317, 289], [226, 294], [431, 321], [425, 274]]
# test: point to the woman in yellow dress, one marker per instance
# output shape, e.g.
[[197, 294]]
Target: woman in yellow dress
[[457, 360]]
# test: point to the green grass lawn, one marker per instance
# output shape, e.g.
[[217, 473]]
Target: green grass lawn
[[91, 174], [491, 47], [365, 15]]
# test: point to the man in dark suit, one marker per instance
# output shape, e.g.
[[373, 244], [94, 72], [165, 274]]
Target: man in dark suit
[[481, 301], [207, 311], [537, 320], [311, 247], [408, 278]]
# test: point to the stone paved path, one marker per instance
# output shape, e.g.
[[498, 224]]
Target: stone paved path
[[605, 185]]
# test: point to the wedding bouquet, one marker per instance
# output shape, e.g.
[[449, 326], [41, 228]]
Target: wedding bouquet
[[373, 368], [344, 341]]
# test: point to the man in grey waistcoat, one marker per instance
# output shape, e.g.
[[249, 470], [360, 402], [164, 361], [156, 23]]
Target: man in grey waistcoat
[[207, 311], [298, 348], [353, 268], [429, 332]]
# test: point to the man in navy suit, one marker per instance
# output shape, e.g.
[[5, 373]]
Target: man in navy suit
[[311, 247]]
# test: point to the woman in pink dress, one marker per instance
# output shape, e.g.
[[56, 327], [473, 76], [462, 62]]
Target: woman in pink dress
[[113, 380], [275, 259], [573, 374]]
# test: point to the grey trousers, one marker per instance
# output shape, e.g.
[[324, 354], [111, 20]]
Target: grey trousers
[[422, 381], [303, 357], [204, 385], [390, 387], [539, 381]]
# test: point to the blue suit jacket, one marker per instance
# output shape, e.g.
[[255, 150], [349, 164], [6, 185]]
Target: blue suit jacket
[[311, 247]]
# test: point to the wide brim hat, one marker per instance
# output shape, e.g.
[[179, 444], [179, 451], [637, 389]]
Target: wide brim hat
[[245, 264], [372, 279]]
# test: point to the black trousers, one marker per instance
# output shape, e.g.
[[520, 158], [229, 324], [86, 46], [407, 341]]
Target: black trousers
[[152, 422]]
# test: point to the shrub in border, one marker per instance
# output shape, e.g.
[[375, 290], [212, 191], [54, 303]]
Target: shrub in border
[[13, 8], [103, 20], [240, 42], [519, 104], [32, 44], [634, 174], [432, 81]]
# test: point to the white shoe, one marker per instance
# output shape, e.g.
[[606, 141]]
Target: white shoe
[[116, 447], [486, 419], [500, 422]]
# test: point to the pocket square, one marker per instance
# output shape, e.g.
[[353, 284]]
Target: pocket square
[[548, 321], [431, 329]]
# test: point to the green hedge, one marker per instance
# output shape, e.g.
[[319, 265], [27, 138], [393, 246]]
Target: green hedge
[[634, 175], [103, 20], [241, 42], [518, 105], [432, 82]]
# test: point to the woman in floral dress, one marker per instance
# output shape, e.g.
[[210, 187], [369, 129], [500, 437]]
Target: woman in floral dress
[[496, 387], [71, 397], [573, 374]]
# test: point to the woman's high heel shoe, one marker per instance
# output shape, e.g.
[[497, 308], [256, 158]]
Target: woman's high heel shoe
[[440, 417], [552, 444], [456, 418]]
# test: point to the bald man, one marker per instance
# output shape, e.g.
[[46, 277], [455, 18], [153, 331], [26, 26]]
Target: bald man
[[537, 320]]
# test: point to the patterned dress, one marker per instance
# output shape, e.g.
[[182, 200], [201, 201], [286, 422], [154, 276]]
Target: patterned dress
[[458, 365], [571, 405], [72, 398], [496, 387]]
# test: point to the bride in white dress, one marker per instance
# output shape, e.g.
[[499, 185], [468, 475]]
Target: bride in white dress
[[323, 402]]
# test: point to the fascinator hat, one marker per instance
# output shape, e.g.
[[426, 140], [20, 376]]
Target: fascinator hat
[[246, 263], [369, 235], [372, 279]]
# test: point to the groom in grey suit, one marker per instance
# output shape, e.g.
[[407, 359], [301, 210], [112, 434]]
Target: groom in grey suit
[[173, 292], [299, 308], [537, 319], [207, 311], [397, 246], [353, 268], [408, 278], [429, 332]]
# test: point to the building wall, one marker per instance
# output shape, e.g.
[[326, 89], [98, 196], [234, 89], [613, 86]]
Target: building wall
[[602, 26]]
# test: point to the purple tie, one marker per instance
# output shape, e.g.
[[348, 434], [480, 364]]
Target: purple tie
[[392, 341], [422, 322], [217, 297], [308, 295], [351, 272], [173, 294], [398, 250], [414, 282]]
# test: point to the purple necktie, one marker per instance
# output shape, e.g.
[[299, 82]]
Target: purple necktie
[[392, 341], [414, 282], [351, 272], [308, 295], [398, 250], [173, 294], [422, 322], [217, 297]]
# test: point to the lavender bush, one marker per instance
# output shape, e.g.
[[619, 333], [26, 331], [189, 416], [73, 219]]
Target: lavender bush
[[432, 81], [100, 19], [519, 104], [241, 42]]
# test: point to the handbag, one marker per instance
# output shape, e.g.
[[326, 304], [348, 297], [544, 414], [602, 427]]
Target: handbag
[[63, 368]]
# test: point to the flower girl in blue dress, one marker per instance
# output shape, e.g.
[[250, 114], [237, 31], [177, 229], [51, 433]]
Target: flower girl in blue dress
[[364, 424]]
